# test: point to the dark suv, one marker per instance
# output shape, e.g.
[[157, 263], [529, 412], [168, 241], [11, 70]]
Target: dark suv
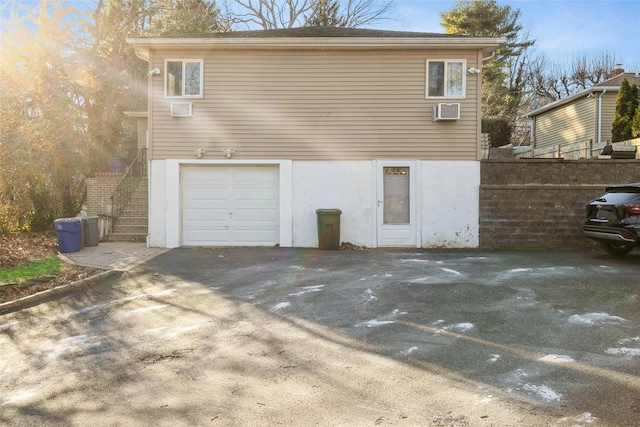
[[613, 219]]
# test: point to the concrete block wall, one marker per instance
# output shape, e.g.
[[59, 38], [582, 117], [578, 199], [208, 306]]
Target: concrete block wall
[[540, 203], [99, 191]]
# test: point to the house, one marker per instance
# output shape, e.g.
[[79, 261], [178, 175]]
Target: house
[[578, 126], [249, 133]]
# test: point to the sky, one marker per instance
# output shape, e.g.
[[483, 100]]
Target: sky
[[563, 29]]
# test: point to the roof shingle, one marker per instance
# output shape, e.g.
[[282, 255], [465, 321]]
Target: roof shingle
[[315, 32]]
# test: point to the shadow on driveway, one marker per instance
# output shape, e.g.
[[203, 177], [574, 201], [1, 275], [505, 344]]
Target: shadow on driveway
[[562, 328]]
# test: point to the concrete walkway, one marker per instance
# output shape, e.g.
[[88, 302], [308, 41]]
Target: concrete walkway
[[118, 256], [109, 256]]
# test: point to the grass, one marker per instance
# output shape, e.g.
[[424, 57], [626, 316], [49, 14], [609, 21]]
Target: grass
[[43, 267]]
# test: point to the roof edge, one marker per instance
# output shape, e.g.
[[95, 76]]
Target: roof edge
[[488, 45], [569, 99]]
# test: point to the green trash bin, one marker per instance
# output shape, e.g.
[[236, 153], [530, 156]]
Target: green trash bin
[[329, 229]]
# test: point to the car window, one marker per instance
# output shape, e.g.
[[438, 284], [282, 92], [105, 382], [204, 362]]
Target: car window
[[616, 198]]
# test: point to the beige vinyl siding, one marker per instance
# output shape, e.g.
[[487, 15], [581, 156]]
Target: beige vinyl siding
[[567, 124], [307, 105], [609, 101]]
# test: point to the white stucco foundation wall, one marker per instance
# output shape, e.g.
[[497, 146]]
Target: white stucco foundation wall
[[157, 204], [344, 185], [450, 204], [447, 193]]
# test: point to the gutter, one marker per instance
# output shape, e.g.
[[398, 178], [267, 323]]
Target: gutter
[[142, 45]]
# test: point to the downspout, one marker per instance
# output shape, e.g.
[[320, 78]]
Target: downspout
[[600, 116], [486, 58], [532, 134]]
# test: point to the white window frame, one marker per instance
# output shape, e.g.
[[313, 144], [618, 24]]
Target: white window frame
[[447, 62], [183, 61]]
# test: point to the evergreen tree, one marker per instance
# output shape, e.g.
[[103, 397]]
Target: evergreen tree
[[185, 17], [326, 13], [503, 76], [635, 124], [626, 106]]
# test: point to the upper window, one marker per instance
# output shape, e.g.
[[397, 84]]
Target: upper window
[[446, 78], [183, 78]]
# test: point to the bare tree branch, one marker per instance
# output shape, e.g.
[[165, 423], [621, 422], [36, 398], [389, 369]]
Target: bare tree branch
[[359, 13], [270, 14]]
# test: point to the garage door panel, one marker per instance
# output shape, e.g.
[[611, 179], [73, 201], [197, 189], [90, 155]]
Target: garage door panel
[[206, 215], [206, 194], [253, 195], [255, 215], [255, 175], [230, 205], [255, 237], [210, 237]]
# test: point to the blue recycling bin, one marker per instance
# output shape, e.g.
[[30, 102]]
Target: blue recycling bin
[[69, 232]]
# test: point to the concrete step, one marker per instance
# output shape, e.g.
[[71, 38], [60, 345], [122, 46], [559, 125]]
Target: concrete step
[[142, 220], [119, 226], [127, 237], [133, 224], [136, 206]]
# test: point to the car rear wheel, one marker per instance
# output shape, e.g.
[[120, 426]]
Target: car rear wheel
[[617, 249]]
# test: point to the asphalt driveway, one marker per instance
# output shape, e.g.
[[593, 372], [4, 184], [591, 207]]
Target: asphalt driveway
[[556, 332]]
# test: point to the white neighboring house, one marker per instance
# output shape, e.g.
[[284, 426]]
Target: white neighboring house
[[250, 132]]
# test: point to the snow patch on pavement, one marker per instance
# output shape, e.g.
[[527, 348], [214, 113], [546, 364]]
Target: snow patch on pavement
[[594, 319], [180, 330], [459, 327], [5, 326], [556, 358], [146, 309], [18, 396], [77, 344], [375, 322], [369, 296], [307, 290], [383, 320], [624, 351], [280, 306], [543, 391]]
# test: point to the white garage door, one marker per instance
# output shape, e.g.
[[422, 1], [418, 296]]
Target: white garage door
[[230, 205]]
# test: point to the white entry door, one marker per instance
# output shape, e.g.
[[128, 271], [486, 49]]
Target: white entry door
[[396, 203], [230, 205]]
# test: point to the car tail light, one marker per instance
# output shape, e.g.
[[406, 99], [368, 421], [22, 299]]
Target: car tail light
[[632, 209]]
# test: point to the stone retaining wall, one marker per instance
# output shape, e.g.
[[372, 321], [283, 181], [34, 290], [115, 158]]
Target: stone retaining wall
[[540, 203]]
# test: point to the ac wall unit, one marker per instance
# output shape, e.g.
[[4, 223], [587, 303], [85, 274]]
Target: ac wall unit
[[181, 109], [446, 111]]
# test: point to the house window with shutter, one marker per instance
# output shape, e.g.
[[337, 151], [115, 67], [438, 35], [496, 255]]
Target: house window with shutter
[[446, 78]]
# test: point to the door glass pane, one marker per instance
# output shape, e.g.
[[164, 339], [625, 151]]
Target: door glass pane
[[396, 195]]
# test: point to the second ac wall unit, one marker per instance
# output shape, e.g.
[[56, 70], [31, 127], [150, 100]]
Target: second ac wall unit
[[181, 109], [446, 111]]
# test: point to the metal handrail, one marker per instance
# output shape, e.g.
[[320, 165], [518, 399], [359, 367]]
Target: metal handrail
[[128, 183]]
